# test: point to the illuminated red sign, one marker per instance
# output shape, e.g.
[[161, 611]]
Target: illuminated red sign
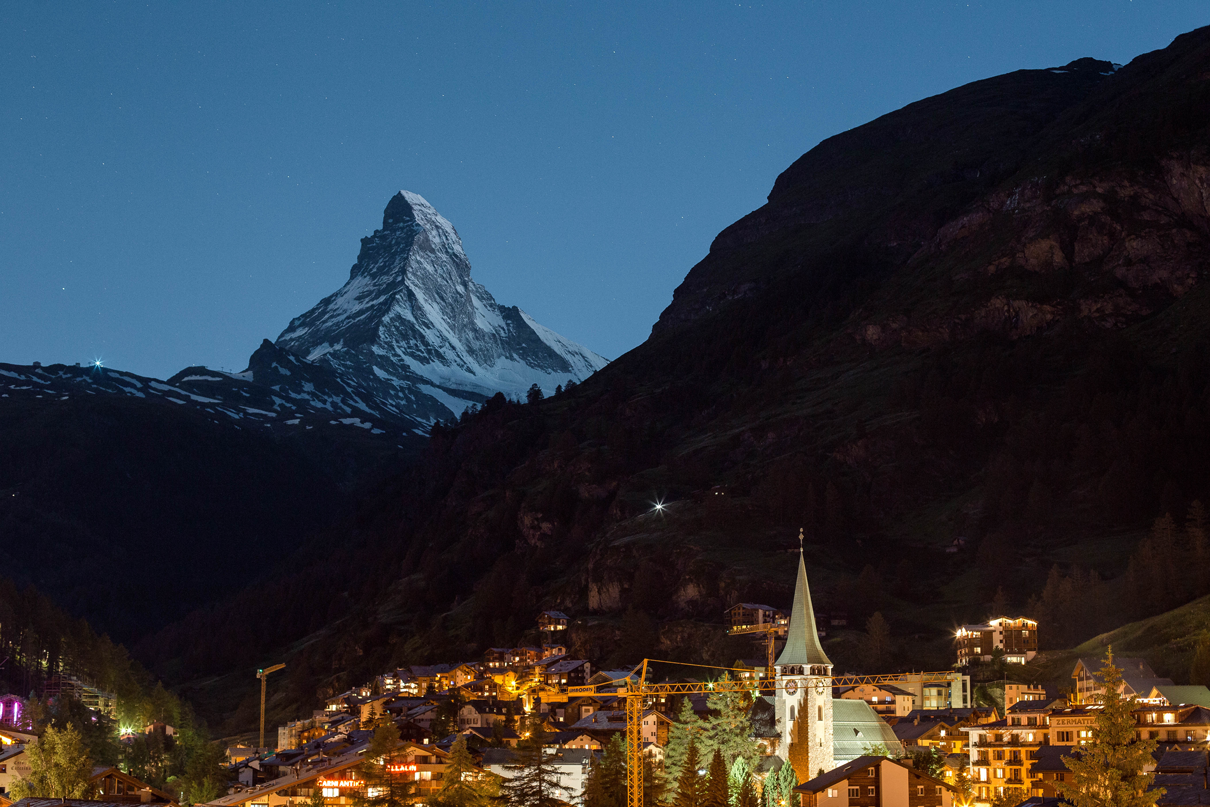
[[340, 783]]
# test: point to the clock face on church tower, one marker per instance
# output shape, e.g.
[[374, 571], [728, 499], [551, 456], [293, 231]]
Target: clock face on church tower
[[791, 687], [819, 687]]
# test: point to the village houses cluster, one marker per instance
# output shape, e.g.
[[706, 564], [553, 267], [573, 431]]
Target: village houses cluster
[[851, 739]]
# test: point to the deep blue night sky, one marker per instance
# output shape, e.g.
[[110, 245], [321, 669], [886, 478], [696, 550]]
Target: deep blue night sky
[[178, 181]]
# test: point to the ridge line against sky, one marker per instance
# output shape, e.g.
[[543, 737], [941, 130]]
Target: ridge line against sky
[[178, 182]]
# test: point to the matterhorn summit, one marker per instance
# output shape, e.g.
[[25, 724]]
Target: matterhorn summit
[[412, 325]]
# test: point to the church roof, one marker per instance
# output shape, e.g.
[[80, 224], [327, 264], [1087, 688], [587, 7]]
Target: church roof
[[856, 727], [802, 639]]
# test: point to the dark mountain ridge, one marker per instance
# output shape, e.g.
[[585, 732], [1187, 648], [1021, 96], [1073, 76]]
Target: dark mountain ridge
[[995, 340], [205, 483]]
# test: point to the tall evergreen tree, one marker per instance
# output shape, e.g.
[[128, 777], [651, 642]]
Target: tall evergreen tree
[[654, 784], [716, 791], [383, 788], [59, 767], [685, 731], [728, 727], [689, 782], [737, 776], [535, 779], [462, 783], [747, 794], [607, 776], [779, 786], [1109, 771]]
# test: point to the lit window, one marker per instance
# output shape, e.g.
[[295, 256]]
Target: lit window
[[331, 792]]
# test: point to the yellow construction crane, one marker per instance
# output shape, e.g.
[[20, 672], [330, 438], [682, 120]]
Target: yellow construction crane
[[636, 692], [262, 675]]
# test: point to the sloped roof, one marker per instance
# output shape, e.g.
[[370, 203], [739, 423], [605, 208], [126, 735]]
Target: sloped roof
[[602, 720], [1142, 686], [1130, 667], [1197, 716], [802, 637], [913, 730], [1182, 762], [838, 774], [565, 665], [855, 726], [849, 768], [1049, 758], [1176, 694]]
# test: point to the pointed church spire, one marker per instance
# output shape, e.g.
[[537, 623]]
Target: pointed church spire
[[802, 638]]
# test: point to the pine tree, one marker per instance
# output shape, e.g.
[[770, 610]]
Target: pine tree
[[747, 794], [716, 790], [462, 784], [610, 774], [59, 767], [684, 732], [689, 782], [1110, 770], [383, 788], [737, 777], [535, 779], [654, 784], [728, 727], [594, 788], [779, 786]]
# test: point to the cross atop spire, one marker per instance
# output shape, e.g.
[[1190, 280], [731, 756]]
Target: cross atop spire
[[802, 637]]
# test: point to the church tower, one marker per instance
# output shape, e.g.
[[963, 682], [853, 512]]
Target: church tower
[[804, 688]]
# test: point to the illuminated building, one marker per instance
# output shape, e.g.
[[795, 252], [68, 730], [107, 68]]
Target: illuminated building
[[1017, 637]]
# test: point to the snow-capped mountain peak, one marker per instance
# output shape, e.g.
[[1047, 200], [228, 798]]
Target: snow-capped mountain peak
[[412, 322]]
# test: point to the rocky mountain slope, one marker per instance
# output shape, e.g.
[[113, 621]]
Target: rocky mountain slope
[[965, 346], [412, 324]]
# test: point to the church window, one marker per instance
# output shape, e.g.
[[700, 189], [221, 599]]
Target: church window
[[791, 714], [820, 708]]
